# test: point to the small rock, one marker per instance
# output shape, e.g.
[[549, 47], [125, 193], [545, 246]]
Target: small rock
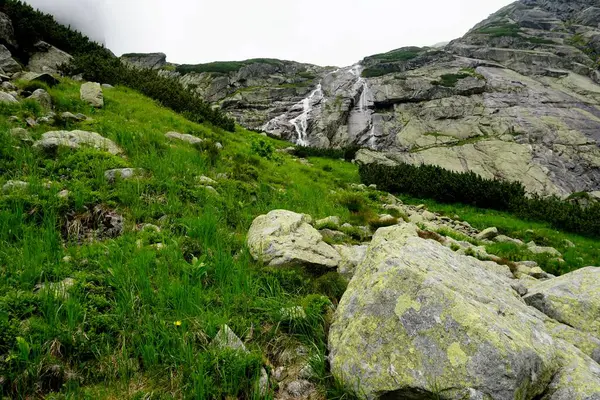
[[535, 249], [333, 235], [331, 222], [373, 186], [91, 93], [123, 173], [211, 189], [67, 116], [67, 259], [31, 122], [227, 339], [429, 216], [150, 227], [158, 246], [347, 226], [205, 180], [279, 374], [107, 86], [219, 146], [391, 199], [183, 137], [8, 86], [12, 186], [488, 233], [63, 194], [288, 150], [568, 243], [506, 239], [43, 98], [299, 389], [7, 98], [539, 273]]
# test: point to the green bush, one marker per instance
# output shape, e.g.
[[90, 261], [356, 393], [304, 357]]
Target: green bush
[[450, 80], [263, 148], [346, 153], [427, 181], [32, 86]]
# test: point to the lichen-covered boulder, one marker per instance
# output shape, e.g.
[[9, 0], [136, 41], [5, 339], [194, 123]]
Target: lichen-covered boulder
[[91, 93], [50, 141], [351, 256], [418, 320], [573, 299], [43, 98], [284, 238]]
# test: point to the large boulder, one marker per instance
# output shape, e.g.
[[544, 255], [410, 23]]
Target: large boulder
[[50, 141], [7, 32], [420, 321], [35, 76], [91, 93], [48, 58], [7, 63], [573, 299], [286, 238], [7, 98], [184, 137]]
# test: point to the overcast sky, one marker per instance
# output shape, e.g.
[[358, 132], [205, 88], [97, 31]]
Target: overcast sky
[[324, 32]]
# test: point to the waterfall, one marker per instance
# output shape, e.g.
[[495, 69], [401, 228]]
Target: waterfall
[[360, 121], [301, 121]]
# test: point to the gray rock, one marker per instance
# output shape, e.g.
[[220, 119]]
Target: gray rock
[[205, 180], [573, 299], [70, 117], [412, 302], [50, 141], [506, 239], [330, 222], [35, 76], [8, 86], [7, 32], [488, 233], [43, 98], [7, 98], [183, 137], [47, 58], [535, 249], [123, 173], [7, 63], [227, 339], [284, 238], [58, 289], [91, 93]]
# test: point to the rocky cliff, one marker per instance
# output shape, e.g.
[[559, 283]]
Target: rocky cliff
[[516, 98]]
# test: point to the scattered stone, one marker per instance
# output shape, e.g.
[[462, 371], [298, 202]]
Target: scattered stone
[[287, 150], [329, 222], [219, 146], [357, 186], [91, 93], [34, 76], [506, 239], [31, 122], [535, 249], [50, 141], [47, 58], [70, 117], [123, 173], [568, 243], [227, 339], [539, 273], [347, 226], [284, 238], [7, 62], [300, 389], [205, 180], [222, 176], [211, 189], [13, 186], [63, 194], [373, 186], [21, 134], [150, 227], [7, 98], [183, 137], [9, 86], [107, 86], [488, 234], [429, 216]]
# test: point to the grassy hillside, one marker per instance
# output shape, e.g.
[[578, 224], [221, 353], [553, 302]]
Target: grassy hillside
[[135, 314]]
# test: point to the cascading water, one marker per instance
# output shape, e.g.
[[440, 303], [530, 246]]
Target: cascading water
[[301, 121], [360, 121]]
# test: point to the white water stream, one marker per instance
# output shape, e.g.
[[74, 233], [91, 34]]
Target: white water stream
[[301, 121]]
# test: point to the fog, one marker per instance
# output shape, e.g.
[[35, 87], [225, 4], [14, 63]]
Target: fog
[[324, 32]]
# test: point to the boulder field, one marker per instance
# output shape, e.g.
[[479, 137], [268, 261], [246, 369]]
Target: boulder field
[[420, 320]]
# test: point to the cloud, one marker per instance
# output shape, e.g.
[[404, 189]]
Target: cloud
[[86, 16]]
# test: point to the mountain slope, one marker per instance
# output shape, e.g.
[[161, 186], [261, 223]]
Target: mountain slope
[[516, 98]]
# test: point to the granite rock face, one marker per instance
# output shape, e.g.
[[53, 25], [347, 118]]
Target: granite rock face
[[145, 60]]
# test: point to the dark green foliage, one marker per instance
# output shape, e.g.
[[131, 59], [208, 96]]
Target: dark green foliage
[[332, 285], [346, 153], [390, 62], [263, 148], [96, 63], [436, 183], [32, 86], [224, 67], [450, 80], [500, 30]]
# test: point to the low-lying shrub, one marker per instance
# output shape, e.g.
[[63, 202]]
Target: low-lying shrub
[[427, 181], [346, 153]]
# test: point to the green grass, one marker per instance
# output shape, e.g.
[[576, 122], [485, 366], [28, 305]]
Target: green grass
[[386, 63], [501, 29], [115, 334]]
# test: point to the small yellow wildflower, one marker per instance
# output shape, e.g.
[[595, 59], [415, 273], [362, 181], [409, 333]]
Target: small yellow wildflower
[[177, 323]]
